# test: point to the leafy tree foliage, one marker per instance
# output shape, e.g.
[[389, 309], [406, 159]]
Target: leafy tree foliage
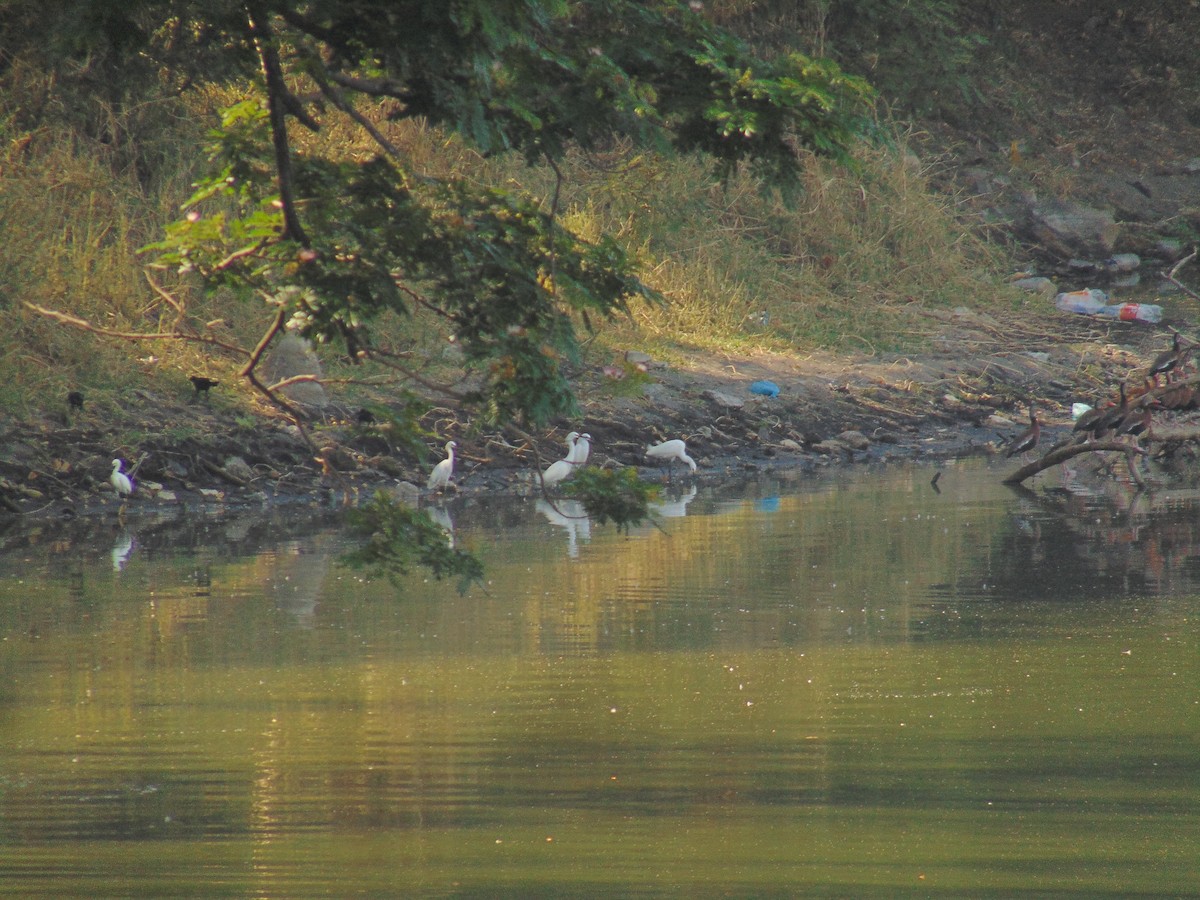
[[331, 245], [612, 495], [397, 537], [327, 245]]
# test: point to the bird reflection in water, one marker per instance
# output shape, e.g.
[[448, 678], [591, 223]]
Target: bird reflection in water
[[440, 515], [675, 507], [572, 518], [121, 551]]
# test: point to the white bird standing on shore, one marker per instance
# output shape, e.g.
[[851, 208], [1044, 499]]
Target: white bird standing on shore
[[671, 451], [583, 448], [120, 481], [564, 468], [440, 476]]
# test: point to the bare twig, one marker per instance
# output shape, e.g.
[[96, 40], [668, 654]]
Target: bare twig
[[1172, 275], [375, 87], [166, 295], [339, 100], [85, 325], [240, 254], [387, 358], [248, 372]]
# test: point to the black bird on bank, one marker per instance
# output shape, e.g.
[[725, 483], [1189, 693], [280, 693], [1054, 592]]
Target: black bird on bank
[[1135, 424], [75, 401], [1098, 422], [365, 417], [1085, 424], [1028, 439], [1169, 360], [1114, 416], [202, 384]]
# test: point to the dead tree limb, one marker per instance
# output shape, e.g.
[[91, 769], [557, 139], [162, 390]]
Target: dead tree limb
[[1062, 454], [1172, 275], [84, 325]]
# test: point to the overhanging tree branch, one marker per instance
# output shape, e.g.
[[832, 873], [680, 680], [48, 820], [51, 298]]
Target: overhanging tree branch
[[177, 335], [277, 108]]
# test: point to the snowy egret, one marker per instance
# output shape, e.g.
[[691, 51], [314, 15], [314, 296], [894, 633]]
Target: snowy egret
[[564, 468], [583, 449], [1027, 439], [120, 481], [440, 476], [671, 451]]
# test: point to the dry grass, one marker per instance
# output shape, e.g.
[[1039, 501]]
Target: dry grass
[[842, 268]]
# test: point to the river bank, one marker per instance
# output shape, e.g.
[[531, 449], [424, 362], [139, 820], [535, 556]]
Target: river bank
[[967, 395]]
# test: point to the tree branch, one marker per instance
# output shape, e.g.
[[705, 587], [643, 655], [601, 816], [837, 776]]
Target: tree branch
[[1172, 275], [277, 108], [338, 99], [1062, 454], [275, 400], [375, 87], [85, 325], [387, 358]]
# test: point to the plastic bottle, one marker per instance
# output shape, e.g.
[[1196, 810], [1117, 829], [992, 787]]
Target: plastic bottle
[[1133, 312], [1088, 302], [1093, 302]]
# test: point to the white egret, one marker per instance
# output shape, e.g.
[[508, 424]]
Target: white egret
[[440, 476], [583, 449], [671, 451], [564, 468], [120, 481]]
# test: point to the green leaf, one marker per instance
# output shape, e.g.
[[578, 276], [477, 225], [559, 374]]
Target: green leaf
[[397, 537], [612, 495]]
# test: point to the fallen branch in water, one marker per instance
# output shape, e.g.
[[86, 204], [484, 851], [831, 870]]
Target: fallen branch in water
[[1062, 454]]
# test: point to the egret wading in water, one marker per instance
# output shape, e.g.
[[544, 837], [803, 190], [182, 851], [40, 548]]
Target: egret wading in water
[[120, 481], [671, 451], [564, 468], [440, 476]]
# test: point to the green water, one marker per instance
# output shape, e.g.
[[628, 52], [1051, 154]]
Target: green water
[[855, 686]]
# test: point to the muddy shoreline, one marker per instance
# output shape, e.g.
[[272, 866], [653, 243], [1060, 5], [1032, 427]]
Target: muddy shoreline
[[830, 411]]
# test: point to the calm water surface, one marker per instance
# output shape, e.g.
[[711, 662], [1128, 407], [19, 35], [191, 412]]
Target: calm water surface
[[852, 686]]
